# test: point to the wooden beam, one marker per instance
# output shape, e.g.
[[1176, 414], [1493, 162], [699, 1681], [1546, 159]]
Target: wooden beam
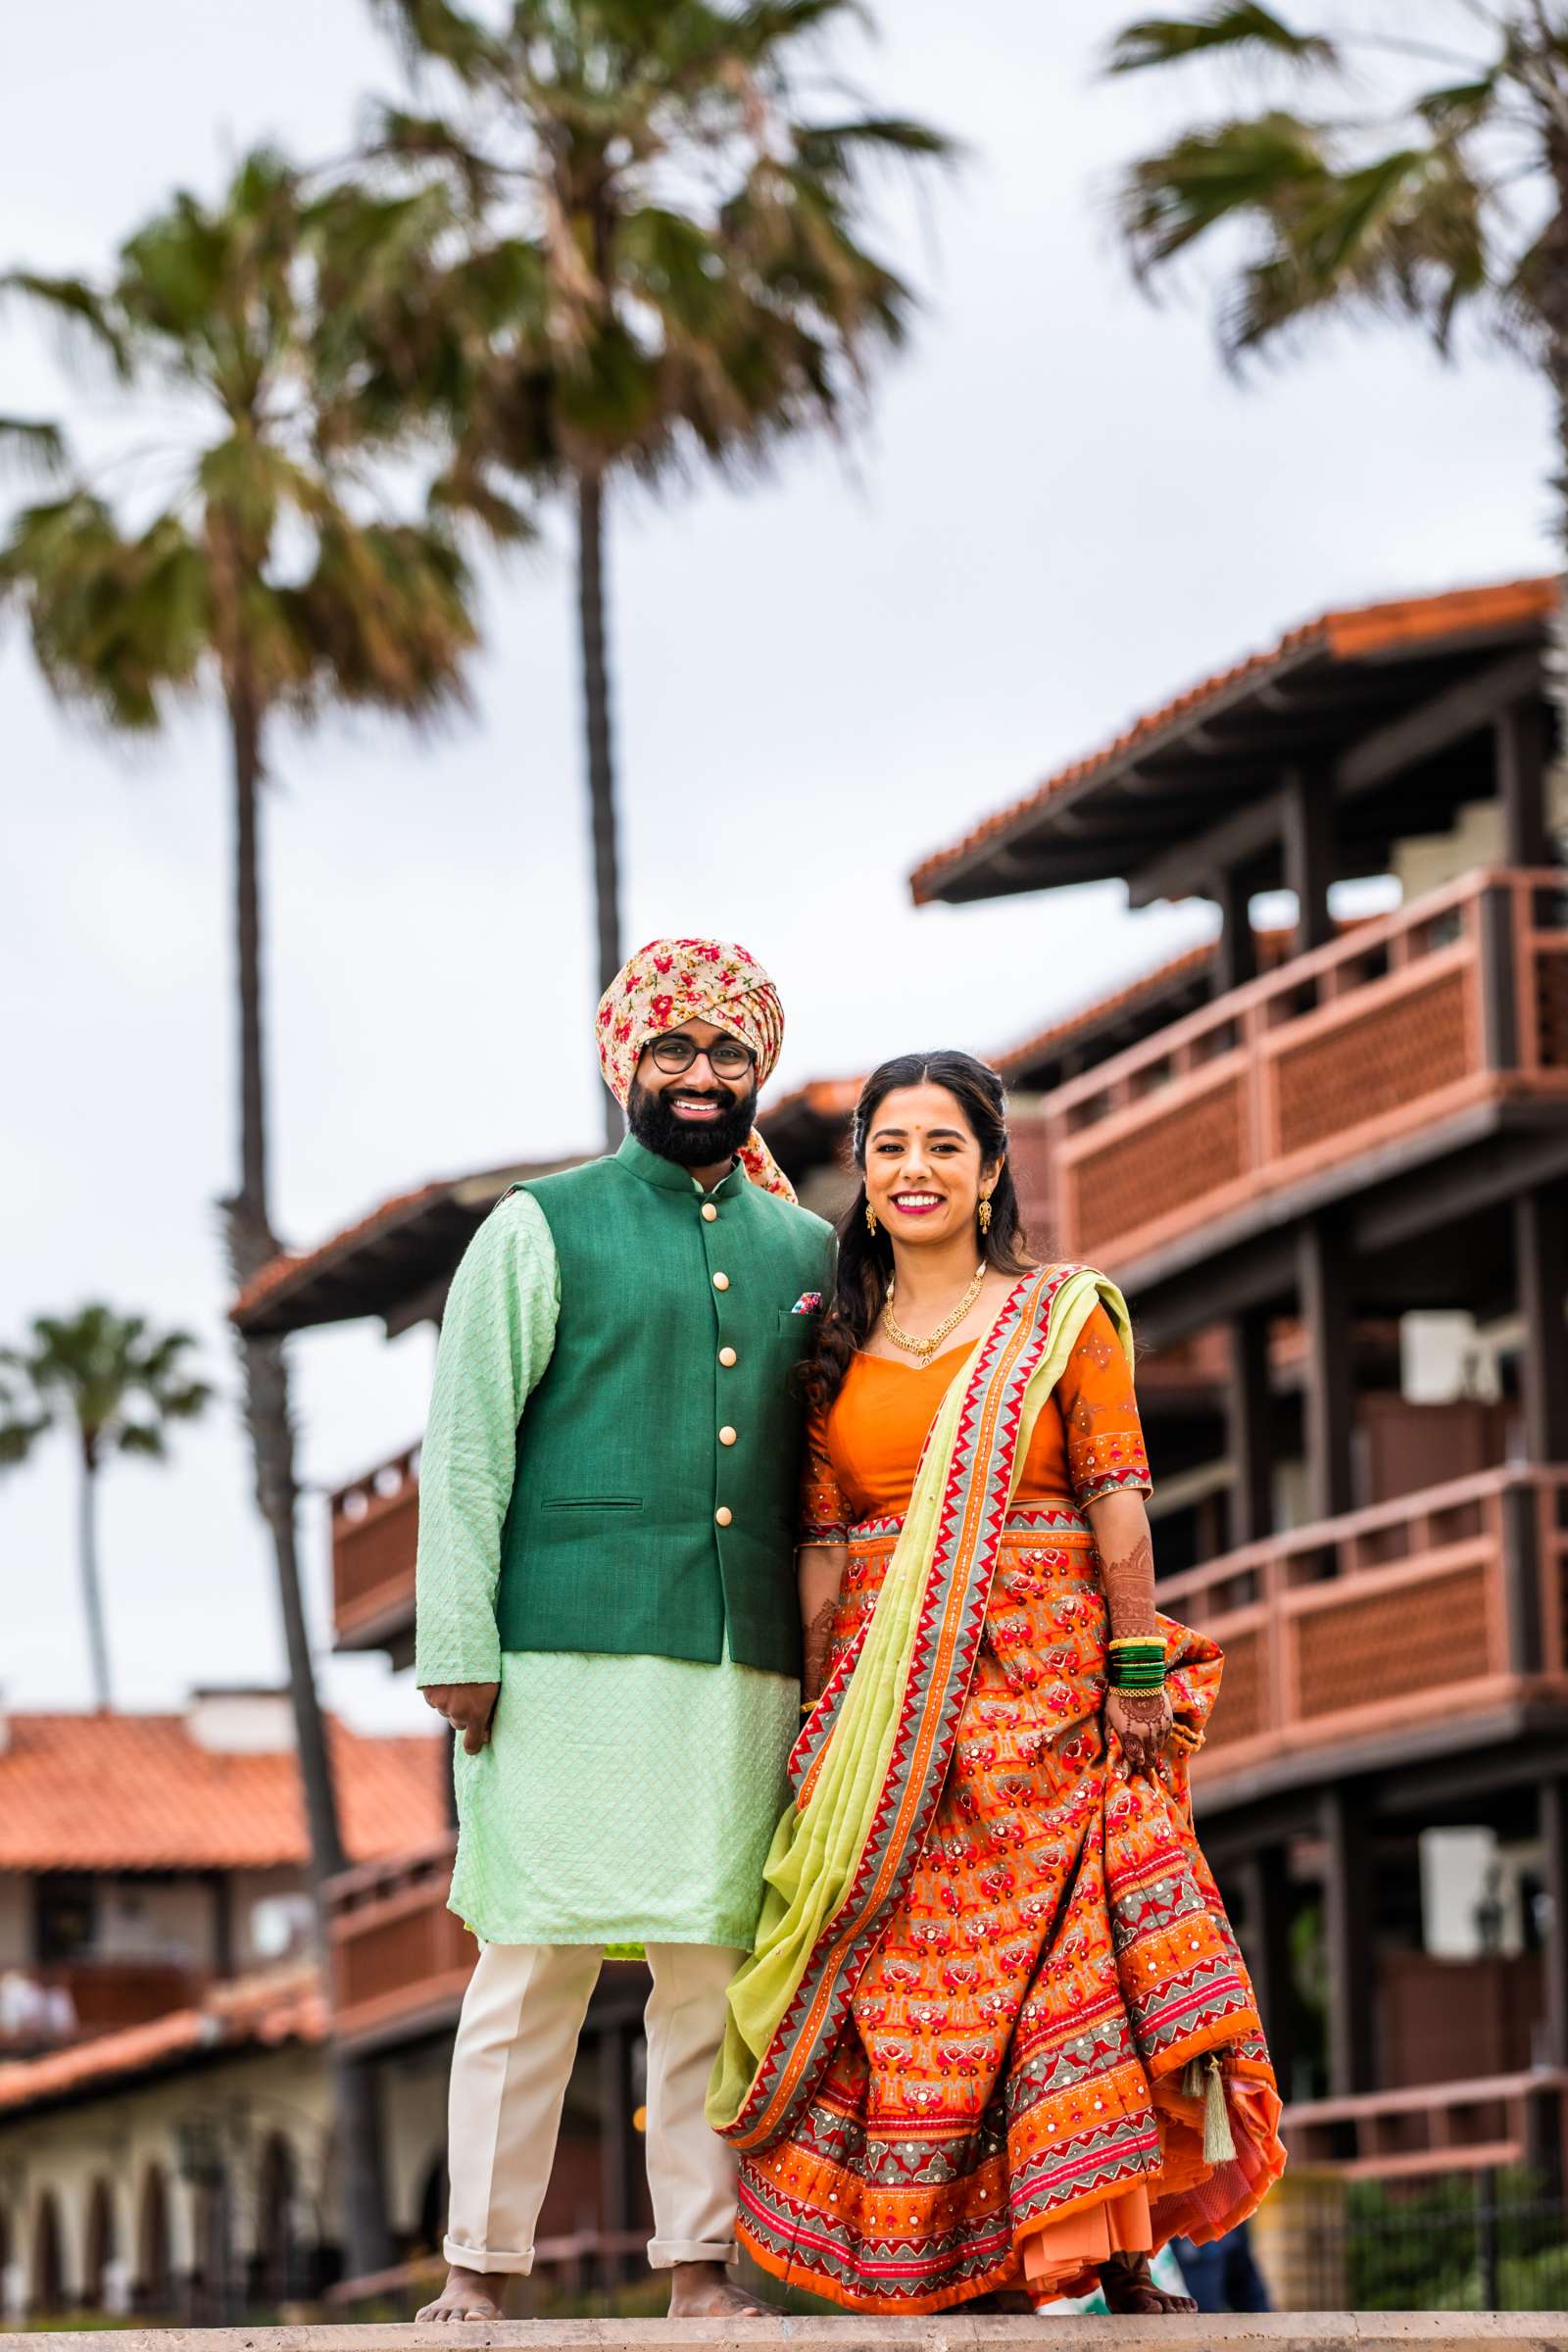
[[1432, 726], [1249, 1418], [1506, 1156], [1309, 843], [1554, 1840], [617, 2140], [1498, 996], [1235, 960], [1521, 1578], [1322, 1280], [1521, 735], [1263, 1882], [1189, 866], [1348, 1906], [1541, 1265], [426, 1306]]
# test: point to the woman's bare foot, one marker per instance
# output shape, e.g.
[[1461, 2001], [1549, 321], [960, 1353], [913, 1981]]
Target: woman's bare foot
[[1131, 2293], [705, 2291], [466, 2297]]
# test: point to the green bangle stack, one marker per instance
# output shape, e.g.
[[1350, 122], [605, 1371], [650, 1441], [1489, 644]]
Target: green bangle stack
[[1137, 1663]]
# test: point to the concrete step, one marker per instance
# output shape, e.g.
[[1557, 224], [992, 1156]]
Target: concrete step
[[1272, 2331]]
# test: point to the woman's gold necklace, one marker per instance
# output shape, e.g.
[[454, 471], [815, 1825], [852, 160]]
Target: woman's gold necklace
[[926, 1348]]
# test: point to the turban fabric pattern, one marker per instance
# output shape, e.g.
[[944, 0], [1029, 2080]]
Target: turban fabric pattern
[[676, 980]]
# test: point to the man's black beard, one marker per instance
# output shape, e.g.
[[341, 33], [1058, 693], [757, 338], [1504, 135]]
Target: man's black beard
[[657, 1128]]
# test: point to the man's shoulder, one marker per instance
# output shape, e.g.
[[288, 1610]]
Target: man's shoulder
[[568, 1183]]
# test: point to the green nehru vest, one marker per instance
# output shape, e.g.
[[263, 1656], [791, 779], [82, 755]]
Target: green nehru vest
[[659, 1457]]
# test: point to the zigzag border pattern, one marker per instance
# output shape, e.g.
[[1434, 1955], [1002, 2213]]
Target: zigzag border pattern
[[944, 1653]]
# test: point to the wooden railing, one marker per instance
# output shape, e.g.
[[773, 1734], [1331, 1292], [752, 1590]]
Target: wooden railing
[[1478, 2125], [399, 1956], [376, 1524], [1443, 1602], [72, 2000], [1456, 999]]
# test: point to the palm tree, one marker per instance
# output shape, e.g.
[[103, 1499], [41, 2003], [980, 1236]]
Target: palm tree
[[254, 562], [118, 1386], [666, 267], [1444, 197]]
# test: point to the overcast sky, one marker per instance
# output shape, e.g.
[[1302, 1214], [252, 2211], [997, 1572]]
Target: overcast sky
[[1065, 510]]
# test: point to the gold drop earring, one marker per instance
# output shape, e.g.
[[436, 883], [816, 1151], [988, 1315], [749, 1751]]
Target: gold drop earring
[[983, 1213], [870, 1218]]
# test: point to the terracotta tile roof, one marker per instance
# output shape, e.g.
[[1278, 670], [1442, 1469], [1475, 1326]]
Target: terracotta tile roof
[[398, 1247], [1152, 983], [1352, 634], [138, 1792], [254, 2011], [289, 1262], [827, 1098]]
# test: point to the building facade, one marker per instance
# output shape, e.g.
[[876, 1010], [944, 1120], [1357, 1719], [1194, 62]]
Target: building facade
[[1329, 1164], [166, 2138]]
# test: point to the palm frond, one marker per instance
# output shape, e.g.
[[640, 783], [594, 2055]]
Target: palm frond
[[84, 317], [1461, 107], [117, 622], [1264, 167], [435, 32], [102, 1372], [18, 1439], [33, 445], [386, 615], [1401, 236], [406, 138], [142, 1437], [832, 150], [1232, 27]]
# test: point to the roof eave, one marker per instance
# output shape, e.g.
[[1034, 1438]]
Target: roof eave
[[991, 862]]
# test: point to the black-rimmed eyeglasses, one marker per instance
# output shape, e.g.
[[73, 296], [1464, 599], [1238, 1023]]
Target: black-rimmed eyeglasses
[[727, 1058]]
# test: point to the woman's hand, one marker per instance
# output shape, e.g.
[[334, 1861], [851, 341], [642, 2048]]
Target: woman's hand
[[821, 1571], [1142, 1721]]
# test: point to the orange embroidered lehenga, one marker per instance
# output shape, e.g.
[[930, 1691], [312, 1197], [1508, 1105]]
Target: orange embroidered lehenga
[[1011, 2094]]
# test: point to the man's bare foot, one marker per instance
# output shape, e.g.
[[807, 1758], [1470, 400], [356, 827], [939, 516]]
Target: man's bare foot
[[466, 2297], [1130, 2291], [705, 2291]]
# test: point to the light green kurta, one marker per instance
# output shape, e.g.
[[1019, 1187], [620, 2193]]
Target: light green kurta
[[619, 1799]]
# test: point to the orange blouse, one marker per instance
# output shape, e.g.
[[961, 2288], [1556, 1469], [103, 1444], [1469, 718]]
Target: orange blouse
[[1087, 1440]]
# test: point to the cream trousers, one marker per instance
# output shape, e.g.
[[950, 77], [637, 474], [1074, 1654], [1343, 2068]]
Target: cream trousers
[[517, 2038]]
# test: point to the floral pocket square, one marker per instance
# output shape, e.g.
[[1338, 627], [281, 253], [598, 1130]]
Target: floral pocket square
[[810, 1302]]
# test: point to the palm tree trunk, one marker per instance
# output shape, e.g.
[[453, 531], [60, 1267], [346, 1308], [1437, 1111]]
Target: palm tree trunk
[[92, 1597], [600, 760], [251, 1243]]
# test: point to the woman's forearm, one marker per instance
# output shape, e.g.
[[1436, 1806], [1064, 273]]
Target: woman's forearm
[[821, 1568], [1126, 1552]]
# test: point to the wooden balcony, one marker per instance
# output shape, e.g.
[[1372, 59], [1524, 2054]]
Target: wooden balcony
[[1480, 2126], [400, 1959], [1386, 1035], [1408, 1618], [376, 1524], [73, 2000]]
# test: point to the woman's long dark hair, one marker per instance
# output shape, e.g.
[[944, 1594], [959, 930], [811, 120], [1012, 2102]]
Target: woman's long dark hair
[[865, 1258]]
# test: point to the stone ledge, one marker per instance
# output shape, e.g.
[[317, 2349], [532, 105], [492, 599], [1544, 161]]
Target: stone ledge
[[1271, 2331]]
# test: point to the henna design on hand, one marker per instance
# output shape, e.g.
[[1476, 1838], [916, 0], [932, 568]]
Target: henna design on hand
[[1142, 1721], [819, 1649], [1129, 1583]]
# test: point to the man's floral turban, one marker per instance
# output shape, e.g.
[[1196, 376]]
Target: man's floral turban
[[676, 980]]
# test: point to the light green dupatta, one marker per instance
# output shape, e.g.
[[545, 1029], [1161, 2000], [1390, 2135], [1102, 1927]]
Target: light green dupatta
[[870, 1766]]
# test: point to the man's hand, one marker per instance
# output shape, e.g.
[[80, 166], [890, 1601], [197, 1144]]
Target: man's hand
[[468, 1707]]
